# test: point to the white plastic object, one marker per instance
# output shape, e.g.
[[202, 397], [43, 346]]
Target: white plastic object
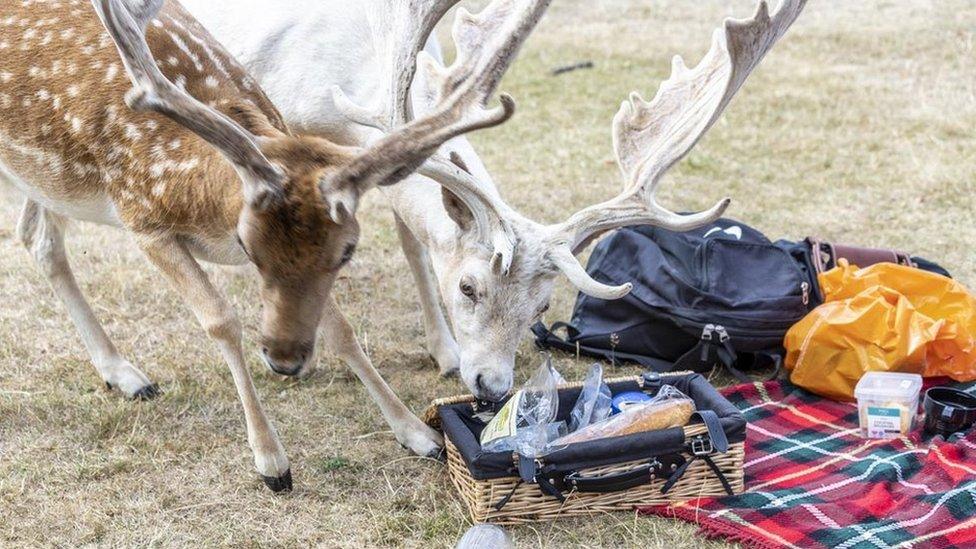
[[887, 403]]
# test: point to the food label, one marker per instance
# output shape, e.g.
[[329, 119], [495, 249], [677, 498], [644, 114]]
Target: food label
[[505, 421], [883, 422]]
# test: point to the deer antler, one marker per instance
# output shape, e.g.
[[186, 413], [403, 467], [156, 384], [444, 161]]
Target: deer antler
[[152, 91], [400, 32], [487, 44], [651, 137]]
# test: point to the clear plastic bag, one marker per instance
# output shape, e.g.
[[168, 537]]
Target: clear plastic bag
[[670, 408], [526, 423], [593, 404]]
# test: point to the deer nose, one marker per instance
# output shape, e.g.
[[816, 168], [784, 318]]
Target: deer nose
[[492, 388], [285, 365]]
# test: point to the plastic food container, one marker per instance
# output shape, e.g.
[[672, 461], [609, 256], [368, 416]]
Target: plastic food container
[[887, 403]]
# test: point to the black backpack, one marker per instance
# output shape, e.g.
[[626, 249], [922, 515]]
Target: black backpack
[[723, 294]]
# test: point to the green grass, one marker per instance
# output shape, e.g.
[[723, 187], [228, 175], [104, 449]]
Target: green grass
[[858, 128]]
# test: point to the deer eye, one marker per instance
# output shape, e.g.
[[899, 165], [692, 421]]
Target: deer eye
[[468, 289], [543, 310], [347, 254]]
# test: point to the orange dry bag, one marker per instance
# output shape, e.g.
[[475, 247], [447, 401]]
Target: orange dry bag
[[886, 317]]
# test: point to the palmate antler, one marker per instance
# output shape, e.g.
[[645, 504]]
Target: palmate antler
[[487, 43], [651, 137], [126, 23]]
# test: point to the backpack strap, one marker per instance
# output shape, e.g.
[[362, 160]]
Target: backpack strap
[[701, 358], [546, 338]]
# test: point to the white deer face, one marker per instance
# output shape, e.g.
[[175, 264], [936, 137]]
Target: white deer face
[[491, 311]]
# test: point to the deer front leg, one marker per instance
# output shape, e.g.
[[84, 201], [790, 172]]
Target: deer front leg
[[440, 341], [221, 323], [412, 433], [42, 232]]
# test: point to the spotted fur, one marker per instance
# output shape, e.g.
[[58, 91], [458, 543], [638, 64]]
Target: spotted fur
[[65, 129], [68, 139]]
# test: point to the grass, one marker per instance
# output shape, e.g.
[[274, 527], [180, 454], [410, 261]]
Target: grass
[[858, 127]]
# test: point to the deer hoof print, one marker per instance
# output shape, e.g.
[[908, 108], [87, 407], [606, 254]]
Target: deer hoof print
[[279, 484], [148, 392]]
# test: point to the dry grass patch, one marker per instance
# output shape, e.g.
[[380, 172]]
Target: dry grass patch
[[859, 127]]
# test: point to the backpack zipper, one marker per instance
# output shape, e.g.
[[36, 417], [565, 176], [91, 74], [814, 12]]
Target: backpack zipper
[[711, 329], [706, 336], [805, 287]]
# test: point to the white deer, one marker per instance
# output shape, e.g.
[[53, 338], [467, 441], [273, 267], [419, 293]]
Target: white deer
[[202, 167], [492, 292]]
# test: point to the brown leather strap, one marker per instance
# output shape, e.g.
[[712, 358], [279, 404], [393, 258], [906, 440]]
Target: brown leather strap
[[825, 255]]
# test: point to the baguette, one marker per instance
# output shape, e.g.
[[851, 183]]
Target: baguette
[[675, 412]]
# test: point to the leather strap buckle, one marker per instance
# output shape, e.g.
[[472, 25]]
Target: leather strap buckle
[[701, 446]]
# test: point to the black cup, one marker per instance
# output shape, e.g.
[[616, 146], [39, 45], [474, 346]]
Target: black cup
[[948, 411]]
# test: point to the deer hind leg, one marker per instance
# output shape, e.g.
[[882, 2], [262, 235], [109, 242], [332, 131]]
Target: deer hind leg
[[412, 433], [42, 233], [440, 341], [221, 323]]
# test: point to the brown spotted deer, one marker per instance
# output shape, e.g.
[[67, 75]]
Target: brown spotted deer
[[201, 167], [492, 288]]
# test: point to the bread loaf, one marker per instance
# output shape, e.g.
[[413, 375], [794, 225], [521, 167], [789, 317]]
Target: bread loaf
[[674, 412]]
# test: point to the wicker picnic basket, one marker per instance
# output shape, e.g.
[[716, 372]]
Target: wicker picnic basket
[[640, 474]]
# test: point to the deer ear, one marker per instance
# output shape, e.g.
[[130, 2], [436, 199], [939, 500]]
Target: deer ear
[[340, 198], [261, 197], [455, 207], [458, 210]]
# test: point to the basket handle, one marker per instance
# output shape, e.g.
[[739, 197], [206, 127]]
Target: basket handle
[[616, 482], [671, 468]]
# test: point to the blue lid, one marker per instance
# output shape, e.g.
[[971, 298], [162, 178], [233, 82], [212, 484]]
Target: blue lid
[[625, 400]]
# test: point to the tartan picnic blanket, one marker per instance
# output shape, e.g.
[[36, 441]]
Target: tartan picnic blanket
[[812, 481]]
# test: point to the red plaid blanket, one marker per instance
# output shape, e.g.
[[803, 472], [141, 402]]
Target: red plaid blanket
[[812, 481]]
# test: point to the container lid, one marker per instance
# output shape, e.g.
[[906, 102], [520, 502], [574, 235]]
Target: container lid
[[889, 385]]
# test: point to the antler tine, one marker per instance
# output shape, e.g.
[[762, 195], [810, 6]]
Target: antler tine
[[650, 137], [152, 91], [400, 32], [487, 44]]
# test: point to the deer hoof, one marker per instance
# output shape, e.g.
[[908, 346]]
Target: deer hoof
[[148, 392], [279, 484], [433, 453], [422, 441], [440, 454], [450, 372]]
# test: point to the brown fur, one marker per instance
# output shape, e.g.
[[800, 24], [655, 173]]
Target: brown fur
[[66, 99], [65, 129]]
